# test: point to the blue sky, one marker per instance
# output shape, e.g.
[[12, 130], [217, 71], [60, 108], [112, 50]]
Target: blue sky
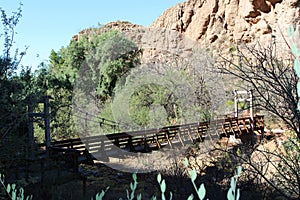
[[48, 25]]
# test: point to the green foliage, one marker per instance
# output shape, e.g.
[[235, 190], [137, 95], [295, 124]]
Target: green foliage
[[163, 187], [46, 83], [14, 90], [133, 186], [15, 193], [104, 59], [58, 81], [201, 192], [291, 31], [292, 146], [9, 63], [153, 100], [12, 191], [112, 57], [234, 192], [65, 63], [100, 196], [296, 51]]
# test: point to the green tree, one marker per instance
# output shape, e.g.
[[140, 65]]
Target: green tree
[[14, 87], [156, 100], [110, 57], [93, 64]]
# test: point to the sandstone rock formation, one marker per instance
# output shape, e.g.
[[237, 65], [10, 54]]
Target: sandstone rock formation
[[222, 23], [232, 21], [158, 44], [216, 24], [123, 26]]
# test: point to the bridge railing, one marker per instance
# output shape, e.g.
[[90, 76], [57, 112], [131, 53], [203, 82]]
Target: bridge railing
[[151, 139]]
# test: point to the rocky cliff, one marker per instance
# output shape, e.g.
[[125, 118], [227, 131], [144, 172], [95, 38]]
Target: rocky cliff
[[232, 21], [218, 24]]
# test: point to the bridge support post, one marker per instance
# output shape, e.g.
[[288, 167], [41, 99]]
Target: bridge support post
[[249, 99], [47, 122], [236, 104], [46, 116], [251, 108], [30, 131]]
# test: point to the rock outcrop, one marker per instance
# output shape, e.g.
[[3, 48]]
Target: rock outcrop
[[217, 24], [232, 21], [160, 45], [122, 26]]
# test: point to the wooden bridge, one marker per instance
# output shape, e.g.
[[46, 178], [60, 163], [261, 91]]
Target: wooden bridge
[[104, 146]]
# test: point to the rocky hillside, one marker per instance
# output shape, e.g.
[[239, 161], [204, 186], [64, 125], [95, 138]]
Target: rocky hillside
[[158, 44], [227, 21], [217, 24]]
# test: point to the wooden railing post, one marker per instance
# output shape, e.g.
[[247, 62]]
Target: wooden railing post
[[236, 104], [47, 122], [251, 109]]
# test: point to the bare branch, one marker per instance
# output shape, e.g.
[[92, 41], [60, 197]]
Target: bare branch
[[271, 77]]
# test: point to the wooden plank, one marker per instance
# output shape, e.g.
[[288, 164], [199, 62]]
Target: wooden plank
[[189, 134], [145, 139]]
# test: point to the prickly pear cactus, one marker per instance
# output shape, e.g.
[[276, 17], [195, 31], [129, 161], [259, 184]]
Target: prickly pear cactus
[[296, 52]]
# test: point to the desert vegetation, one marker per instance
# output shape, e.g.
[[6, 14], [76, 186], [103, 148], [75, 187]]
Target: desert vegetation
[[233, 170]]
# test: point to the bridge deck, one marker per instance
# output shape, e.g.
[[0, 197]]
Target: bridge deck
[[147, 140]]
